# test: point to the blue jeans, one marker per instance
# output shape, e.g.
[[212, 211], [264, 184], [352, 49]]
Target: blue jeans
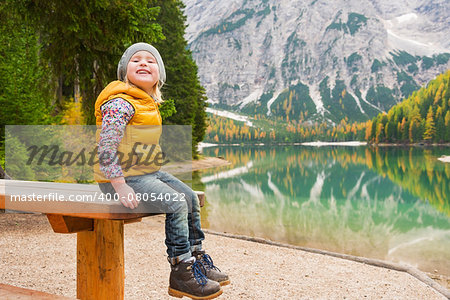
[[183, 229]]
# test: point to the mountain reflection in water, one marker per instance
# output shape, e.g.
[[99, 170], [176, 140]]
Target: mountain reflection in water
[[388, 203]]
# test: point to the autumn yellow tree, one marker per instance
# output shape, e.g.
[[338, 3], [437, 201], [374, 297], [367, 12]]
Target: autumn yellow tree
[[430, 128]]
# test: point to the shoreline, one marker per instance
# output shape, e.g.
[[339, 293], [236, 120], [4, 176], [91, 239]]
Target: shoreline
[[205, 162], [325, 143], [439, 282]]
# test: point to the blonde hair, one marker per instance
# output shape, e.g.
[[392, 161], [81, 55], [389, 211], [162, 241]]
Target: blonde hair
[[155, 93]]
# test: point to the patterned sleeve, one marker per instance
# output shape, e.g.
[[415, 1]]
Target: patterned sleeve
[[116, 114]]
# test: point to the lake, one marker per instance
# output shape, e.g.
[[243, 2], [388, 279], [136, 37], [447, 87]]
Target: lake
[[389, 203]]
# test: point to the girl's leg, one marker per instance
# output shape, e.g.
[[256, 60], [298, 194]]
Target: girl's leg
[[196, 235], [183, 234], [177, 229]]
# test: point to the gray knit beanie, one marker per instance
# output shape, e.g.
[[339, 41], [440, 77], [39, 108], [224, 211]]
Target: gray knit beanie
[[126, 56]]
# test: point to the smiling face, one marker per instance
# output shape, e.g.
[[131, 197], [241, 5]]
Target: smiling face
[[143, 71]]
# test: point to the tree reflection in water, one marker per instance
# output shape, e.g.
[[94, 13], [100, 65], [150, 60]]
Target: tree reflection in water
[[389, 203]]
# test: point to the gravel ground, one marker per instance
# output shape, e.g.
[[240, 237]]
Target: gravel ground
[[32, 256]]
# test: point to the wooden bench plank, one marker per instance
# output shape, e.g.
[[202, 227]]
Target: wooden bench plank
[[61, 198], [96, 209], [9, 292]]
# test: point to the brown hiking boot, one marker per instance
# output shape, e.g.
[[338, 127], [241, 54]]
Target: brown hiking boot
[[187, 279], [212, 272]]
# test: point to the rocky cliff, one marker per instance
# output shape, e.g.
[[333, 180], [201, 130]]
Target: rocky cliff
[[317, 60]]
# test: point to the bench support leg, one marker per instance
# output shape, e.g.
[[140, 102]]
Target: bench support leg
[[100, 261]]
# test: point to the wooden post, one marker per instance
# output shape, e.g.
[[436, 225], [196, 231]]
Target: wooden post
[[100, 261]]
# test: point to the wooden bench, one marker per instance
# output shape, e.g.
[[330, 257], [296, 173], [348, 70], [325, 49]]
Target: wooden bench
[[99, 226]]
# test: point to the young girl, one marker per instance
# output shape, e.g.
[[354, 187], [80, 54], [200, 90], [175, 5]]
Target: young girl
[[133, 100]]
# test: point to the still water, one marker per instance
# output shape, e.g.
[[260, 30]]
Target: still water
[[387, 203]]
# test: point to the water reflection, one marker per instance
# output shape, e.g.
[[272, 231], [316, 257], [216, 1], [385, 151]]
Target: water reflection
[[387, 203]]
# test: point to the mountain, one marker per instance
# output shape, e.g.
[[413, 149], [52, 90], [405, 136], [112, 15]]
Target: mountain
[[316, 60]]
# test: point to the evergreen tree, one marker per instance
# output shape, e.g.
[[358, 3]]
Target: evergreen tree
[[430, 129], [182, 85], [373, 130], [440, 126], [380, 133], [447, 126], [83, 40], [404, 130], [25, 92], [414, 131], [390, 131]]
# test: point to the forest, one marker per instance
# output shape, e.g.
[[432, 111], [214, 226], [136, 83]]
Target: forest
[[424, 117], [57, 55]]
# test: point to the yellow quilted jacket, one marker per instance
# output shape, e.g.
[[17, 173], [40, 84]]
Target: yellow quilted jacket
[[139, 151]]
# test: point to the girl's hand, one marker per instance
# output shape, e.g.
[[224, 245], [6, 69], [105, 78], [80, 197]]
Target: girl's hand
[[126, 194]]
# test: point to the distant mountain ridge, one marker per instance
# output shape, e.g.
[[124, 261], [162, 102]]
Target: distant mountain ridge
[[317, 60]]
